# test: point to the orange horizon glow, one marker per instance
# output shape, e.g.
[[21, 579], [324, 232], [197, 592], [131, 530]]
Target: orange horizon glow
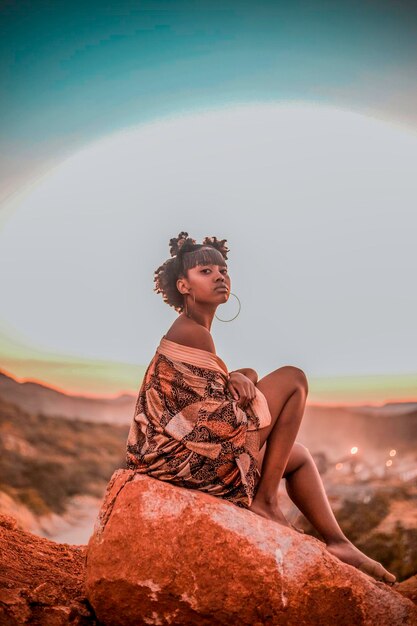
[[78, 393], [66, 392], [379, 403]]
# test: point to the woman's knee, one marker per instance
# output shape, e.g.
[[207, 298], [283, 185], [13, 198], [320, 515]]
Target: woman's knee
[[299, 456], [298, 377], [303, 453]]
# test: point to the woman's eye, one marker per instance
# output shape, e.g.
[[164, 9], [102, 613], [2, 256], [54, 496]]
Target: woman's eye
[[224, 271]]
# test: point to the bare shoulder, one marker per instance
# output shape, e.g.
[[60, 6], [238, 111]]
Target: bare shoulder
[[189, 333]]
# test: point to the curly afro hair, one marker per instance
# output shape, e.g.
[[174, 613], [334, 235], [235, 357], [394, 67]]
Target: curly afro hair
[[186, 254]]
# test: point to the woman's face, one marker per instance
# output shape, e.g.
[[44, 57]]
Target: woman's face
[[209, 283]]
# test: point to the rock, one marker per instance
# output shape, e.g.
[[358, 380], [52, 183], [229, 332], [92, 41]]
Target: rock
[[162, 554], [408, 588], [41, 582]]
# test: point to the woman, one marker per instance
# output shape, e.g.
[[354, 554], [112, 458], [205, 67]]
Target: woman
[[201, 427]]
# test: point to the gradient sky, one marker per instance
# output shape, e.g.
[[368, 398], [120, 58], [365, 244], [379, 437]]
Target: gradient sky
[[73, 71], [73, 75]]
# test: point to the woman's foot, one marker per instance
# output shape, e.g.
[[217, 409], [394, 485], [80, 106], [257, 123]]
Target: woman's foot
[[299, 530], [269, 509], [348, 553]]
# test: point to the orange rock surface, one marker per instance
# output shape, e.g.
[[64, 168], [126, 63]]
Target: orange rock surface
[[41, 582], [408, 588], [162, 554]]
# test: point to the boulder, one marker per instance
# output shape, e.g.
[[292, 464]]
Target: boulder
[[162, 554], [41, 582], [408, 588]]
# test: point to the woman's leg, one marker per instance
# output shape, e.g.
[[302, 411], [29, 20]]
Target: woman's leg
[[305, 488], [285, 390]]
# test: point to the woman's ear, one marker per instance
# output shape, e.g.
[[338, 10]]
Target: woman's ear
[[182, 286]]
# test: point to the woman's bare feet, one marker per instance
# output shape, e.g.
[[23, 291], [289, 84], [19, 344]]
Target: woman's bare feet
[[348, 553], [269, 509]]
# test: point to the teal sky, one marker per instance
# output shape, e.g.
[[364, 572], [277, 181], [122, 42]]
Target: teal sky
[[72, 71]]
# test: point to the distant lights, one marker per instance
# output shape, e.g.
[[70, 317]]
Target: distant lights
[[355, 465]]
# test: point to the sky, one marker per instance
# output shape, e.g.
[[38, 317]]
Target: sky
[[288, 128]]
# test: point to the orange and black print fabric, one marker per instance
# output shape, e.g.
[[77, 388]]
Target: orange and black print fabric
[[187, 428]]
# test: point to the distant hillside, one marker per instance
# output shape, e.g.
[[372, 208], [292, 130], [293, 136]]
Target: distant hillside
[[45, 460], [330, 429], [335, 430], [36, 398]]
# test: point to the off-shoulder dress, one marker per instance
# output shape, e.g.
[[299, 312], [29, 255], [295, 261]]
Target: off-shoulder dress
[[187, 428]]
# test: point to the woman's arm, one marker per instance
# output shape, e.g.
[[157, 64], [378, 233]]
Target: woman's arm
[[249, 373]]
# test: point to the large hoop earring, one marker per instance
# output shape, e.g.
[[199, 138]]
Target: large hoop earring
[[186, 305], [232, 318]]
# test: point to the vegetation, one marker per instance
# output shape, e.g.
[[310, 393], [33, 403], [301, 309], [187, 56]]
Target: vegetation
[[46, 460]]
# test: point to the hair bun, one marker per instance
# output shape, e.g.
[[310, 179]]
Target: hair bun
[[219, 244], [176, 244]]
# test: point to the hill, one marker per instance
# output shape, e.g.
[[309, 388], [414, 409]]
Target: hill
[[36, 398], [45, 461]]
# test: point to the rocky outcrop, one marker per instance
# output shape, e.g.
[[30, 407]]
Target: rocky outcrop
[[161, 555], [408, 588], [41, 582]]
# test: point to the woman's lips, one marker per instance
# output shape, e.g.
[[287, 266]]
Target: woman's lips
[[222, 288]]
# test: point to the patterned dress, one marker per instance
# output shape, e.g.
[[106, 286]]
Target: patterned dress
[[187, 428]]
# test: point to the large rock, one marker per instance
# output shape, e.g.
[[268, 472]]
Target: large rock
[[162, 554], [408, 588], [41, 582]]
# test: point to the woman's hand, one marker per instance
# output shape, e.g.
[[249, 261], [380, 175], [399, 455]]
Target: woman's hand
[[241, 388]]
